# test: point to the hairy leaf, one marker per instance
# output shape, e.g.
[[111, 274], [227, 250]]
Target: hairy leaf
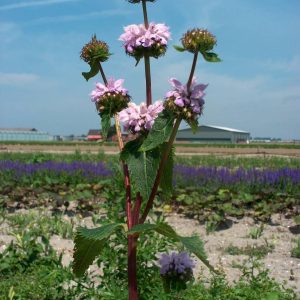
[[160, 131], [88, 244], [211, 57], [166, 182], [179, 48], [105, 124], [94, 65], [142, 228], [142, 166], [166, 230], [195, 245]]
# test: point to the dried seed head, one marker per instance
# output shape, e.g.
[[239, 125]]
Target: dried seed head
[[95, 49], [198, 40]]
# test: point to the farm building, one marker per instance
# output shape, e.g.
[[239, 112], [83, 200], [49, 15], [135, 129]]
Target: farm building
[[24, 134], [213, 134], [94, 135]]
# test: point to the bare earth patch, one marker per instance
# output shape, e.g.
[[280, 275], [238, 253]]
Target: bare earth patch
[[276, 237]]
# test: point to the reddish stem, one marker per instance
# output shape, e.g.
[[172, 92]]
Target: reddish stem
[[136, 209], [148, 80], [132, 268]]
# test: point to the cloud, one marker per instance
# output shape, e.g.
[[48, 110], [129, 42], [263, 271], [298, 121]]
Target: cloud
[[26, 4], [292, 65], [17, 79]]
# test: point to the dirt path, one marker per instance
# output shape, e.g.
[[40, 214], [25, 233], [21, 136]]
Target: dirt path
[[180, 150]]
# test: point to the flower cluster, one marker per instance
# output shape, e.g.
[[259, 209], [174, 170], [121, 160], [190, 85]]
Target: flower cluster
[[139, 40], [198, 40], [110, 98], [95, 50], [175, 263], [184, 103], [140, 118]]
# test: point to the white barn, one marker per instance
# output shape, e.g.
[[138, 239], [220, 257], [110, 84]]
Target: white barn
[[213, 134]]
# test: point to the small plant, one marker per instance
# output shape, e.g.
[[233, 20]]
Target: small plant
[[256, 232], [295, 252]]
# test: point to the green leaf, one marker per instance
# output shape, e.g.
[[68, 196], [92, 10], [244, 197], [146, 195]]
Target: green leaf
[[211, 57], [195, 245], [166, 182], [194, 125], [160, 131], [94, 65], [142, 228], [88, 244], [142, 166], [105, 124], [179, 48], [167, 230]]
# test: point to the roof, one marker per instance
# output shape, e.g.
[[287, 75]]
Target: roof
[[18, 129], [218, 127], [94, 132]]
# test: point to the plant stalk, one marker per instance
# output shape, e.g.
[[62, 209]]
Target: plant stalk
[[167, 150], [145, 13], [189, 83], [132, 268], [160, 171], [125, 167]]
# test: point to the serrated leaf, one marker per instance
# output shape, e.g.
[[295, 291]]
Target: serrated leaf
[[167, 230], [142, 166], [179, 48], [88, 245], [142, 228], [166, 182], [211, 57], [94, 69], [105, 124], [195, 245], [160, 131]]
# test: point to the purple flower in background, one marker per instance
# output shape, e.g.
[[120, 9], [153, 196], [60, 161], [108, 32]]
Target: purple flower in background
[[136, 36], [114, 87], [175, 263], [138, 118], [192, 99]]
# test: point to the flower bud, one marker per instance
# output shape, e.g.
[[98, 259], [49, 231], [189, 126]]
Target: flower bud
[[95, 50], [198, 40]]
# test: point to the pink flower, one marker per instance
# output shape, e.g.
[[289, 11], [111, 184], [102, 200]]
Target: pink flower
[[184, 98], [138, 36], [111, 87], [138, 118]]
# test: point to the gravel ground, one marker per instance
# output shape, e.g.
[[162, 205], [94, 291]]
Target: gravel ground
[[278, 235]]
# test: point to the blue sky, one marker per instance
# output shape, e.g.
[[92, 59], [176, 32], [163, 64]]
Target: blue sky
[[256, 87]]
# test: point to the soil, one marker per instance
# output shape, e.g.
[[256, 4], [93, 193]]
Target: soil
[[279, 234], [180, 150]]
